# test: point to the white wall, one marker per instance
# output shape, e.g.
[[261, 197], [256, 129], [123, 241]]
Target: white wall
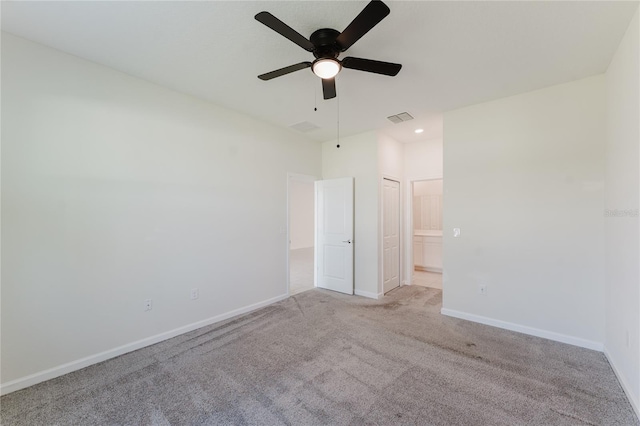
[[423, 160], [622, 232], [524, 180], [301, 213], [390, 158], [427, 187], [115, 190], [357, 157]]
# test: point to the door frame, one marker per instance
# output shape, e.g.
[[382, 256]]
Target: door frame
[[384, 176], [409, 265], [300, 178]]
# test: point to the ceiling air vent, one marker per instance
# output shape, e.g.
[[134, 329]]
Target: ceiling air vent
[[304, 127], [399, 118]]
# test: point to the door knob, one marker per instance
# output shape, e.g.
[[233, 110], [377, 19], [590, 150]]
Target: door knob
[[347, 241]]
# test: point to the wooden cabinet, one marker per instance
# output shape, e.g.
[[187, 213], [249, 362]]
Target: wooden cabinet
[[427, 251], [427, 212], [418, 258], [427, 225]]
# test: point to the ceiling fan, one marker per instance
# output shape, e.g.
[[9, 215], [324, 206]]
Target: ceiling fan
[[326, 44]]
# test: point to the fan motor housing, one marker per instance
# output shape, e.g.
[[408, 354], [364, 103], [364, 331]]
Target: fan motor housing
[[324, 41]]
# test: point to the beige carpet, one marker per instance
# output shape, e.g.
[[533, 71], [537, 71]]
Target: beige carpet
[[325, 358]]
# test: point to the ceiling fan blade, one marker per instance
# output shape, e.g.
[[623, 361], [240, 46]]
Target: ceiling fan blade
[[284, 71], [369, 65], [283, 29], [370, 16], [329, 87]]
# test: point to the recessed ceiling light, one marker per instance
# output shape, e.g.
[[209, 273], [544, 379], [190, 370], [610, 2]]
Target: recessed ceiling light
[[419, 130]]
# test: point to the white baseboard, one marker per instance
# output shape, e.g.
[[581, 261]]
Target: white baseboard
[[551, 335], [69, 367], [633, 399], [368, 294]]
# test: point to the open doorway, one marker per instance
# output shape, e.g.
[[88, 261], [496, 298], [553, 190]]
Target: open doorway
[[426, 202], [301, 211]]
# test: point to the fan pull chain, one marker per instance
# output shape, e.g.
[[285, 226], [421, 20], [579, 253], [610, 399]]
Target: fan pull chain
[[338, 101]]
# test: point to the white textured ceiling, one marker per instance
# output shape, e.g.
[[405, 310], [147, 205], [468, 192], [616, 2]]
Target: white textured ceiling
[[453, 53]]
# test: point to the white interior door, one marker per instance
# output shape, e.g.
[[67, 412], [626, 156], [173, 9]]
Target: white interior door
[[391, 234], [334, 234]]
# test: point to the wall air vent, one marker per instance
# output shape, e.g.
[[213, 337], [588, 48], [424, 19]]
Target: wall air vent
[[304, 127], [399, 118]]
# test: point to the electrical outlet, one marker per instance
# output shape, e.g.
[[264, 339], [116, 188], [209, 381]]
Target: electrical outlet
[[148, 304], [195, 293], [482, 289]]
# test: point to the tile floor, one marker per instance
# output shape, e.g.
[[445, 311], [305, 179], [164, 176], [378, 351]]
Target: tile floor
[[427, 279], [300, 270]]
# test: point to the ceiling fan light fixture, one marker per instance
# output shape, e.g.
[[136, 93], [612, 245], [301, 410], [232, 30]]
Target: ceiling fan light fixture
[[326, 67], [327, 44]]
